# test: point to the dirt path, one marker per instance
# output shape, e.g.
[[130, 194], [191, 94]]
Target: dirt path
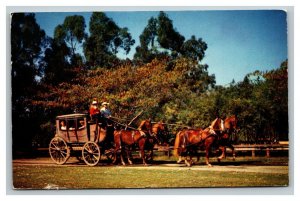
[[277, 169]]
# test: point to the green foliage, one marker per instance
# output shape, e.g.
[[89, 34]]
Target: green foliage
[[56, 65], [168, 37], [105, 41], [160, 39], [72, 33], [194, 48], [27, 40]]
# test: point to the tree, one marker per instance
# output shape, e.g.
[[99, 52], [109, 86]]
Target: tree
[[72, 33], [105, 41], [160, 39], [57, 67], [27, 40], [147, 49], [194, 48], [168, 37]]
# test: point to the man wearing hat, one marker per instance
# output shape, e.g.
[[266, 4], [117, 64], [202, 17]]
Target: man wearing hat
[[94, 110], [105, 112]]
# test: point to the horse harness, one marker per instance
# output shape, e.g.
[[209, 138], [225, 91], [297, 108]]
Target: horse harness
[[185, 139]]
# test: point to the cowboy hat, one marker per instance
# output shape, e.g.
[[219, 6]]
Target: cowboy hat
[[94, 102], [105, 103]]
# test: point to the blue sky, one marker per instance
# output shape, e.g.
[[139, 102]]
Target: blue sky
[[239, 41]]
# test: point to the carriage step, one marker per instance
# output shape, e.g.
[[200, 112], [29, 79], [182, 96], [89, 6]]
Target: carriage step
[[76, 148]]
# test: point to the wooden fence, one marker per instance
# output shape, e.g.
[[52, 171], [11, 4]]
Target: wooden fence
[[266, 149], [253, 148]]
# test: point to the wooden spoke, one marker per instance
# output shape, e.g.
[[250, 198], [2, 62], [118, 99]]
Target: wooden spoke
[[59, 151], [91, 153]]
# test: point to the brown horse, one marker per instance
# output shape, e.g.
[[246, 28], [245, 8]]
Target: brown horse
[[125, 140], [157, 136], [224, 130], [158, 130], [188, 141]]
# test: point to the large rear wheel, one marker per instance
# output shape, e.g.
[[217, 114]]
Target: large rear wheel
[[59, 150], [91, 153]]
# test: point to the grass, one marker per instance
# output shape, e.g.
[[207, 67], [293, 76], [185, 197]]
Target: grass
[[84, 177]]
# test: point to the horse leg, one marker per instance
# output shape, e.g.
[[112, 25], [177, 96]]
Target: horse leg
[[223, 149], [233, 152], [115, 155], [143, 157], [150, 155], [207, 157], [129, 156], [188, 163], [123, 151], [191, 158], [118, 147], [179, 159]]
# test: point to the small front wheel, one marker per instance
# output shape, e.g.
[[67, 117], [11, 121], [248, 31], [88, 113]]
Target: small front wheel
[[59, 150], [91, 153]]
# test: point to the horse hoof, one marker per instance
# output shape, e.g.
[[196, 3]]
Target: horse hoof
[[209, 165], [188, 164], [219, 160], [179, 161]]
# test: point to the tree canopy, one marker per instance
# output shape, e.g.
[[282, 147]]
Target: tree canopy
[[160, 39], [105, 41]]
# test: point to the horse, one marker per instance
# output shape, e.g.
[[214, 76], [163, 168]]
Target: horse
[[188, 141], [157, 137], [224, 130], [126, 140], [159, 131]]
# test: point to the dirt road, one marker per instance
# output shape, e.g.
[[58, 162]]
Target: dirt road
[[226, 166]]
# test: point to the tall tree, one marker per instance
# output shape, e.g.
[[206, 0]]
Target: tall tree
[[71, 32], [56, 62], [160, 38], [27, 39], [168, 37], [105, 41], [147, 49]]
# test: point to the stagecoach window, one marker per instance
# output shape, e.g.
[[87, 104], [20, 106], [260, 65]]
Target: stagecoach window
[[62, 125], [80, 124], [71, 124]]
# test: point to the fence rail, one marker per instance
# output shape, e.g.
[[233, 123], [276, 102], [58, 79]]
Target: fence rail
[[253, 148]]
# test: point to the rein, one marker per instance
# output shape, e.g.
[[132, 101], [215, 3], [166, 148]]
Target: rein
[[124, 125]]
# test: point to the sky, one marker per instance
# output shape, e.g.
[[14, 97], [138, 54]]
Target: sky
[[239, 41]]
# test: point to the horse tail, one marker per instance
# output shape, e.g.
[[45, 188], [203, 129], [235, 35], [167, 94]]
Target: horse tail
[[176, 144]]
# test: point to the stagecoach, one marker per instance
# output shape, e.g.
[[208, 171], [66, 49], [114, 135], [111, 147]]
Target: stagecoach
[[76, 135]]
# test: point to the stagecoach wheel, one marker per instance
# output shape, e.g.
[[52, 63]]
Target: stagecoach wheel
[[91, 153], [59, 150]]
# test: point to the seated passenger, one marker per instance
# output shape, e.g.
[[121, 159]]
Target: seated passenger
[[63, 126], [94, 110], [81, 125]]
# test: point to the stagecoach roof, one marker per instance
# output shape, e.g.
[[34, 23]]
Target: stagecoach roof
[[71, 116]]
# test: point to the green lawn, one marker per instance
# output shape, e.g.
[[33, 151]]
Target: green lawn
[[84, 177]]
